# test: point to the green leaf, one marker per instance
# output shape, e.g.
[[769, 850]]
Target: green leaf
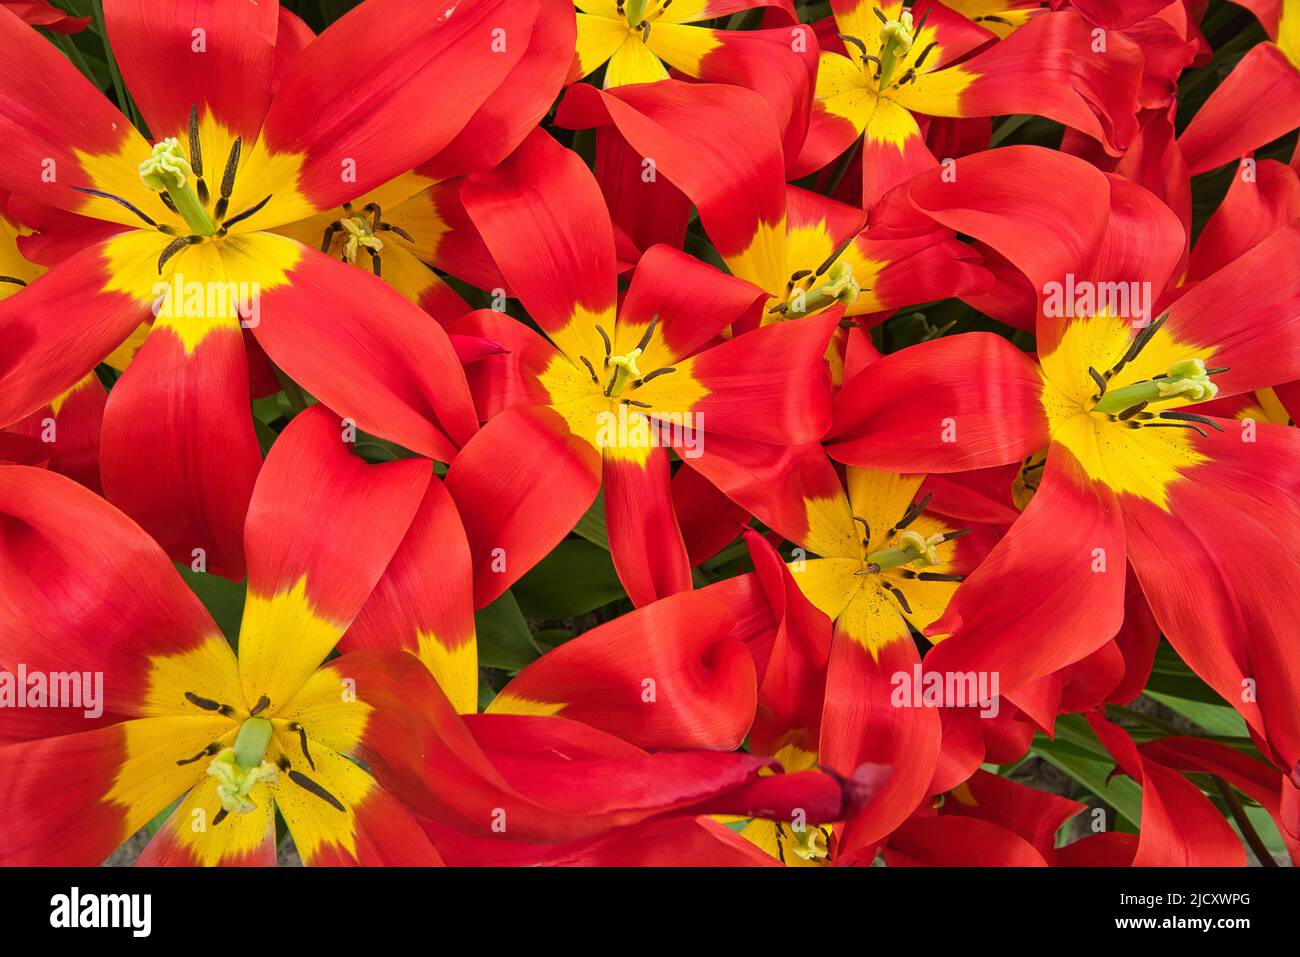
[[1120, 793], [504, 640], [154, 826], [574, 579], [223, 599], [1169, 675], [592, 524], [1214, 718], [549, 638], [1077, 752]]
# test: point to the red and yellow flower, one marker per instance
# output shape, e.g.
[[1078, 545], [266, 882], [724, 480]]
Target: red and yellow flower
[[614, 384], [900, 62], [243, 148], [1131, 474]]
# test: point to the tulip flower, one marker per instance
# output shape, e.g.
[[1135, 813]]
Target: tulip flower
[[230, 163], [614, 385]]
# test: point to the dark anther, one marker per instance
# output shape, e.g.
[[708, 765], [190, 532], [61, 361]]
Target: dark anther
[[830, 261], [1099, 379], [1192, 417], [16, 282], [262, 704], [902, 599], [856, 42], [211, 749], [1170, 425], [167, 201], [175, 246], [800, 274], [880, 14], [650, 331], [226, 224], [219, 816], [196, 157], [119, 200], [654, 375], [207, 704], [916, 31], [991, 18], [228, 179], [1131, 411], [390, 228], [196, 149], [639, 405], [307, 784], [866, 529], [924, 53], [284, 763], [330, 232], [1138, 344], [374, 261], [590, 368], [908, 77], [645, 31], [1217, 370], [949, 536], [939, 577], [302, 743], [375, 215], [609, 346], [912, 513]]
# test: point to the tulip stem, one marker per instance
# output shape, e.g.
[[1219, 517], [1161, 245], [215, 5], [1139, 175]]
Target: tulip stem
[[1248, 831]]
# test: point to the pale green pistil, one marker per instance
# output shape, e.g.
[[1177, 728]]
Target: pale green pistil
[[1187, 380], [840, 286], [896, 39], [240, 769], [625, 371], [913, 548], [635, 12], [167, 170]]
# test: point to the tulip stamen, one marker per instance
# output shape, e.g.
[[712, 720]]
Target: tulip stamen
[[899, 596], [302, 742], [626, 371], [144, 217], [866, 530], [207, 751], [11, 279], [311, 787], [196, 156], [207, 704], [360, 232], [913, 512]]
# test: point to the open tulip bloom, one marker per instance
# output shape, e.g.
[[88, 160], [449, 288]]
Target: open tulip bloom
[[807, 434], [233, 171], [234, 737], [1132, 472]]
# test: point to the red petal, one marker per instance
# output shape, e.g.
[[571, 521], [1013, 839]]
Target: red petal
[[666, 676], [515, 506]]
